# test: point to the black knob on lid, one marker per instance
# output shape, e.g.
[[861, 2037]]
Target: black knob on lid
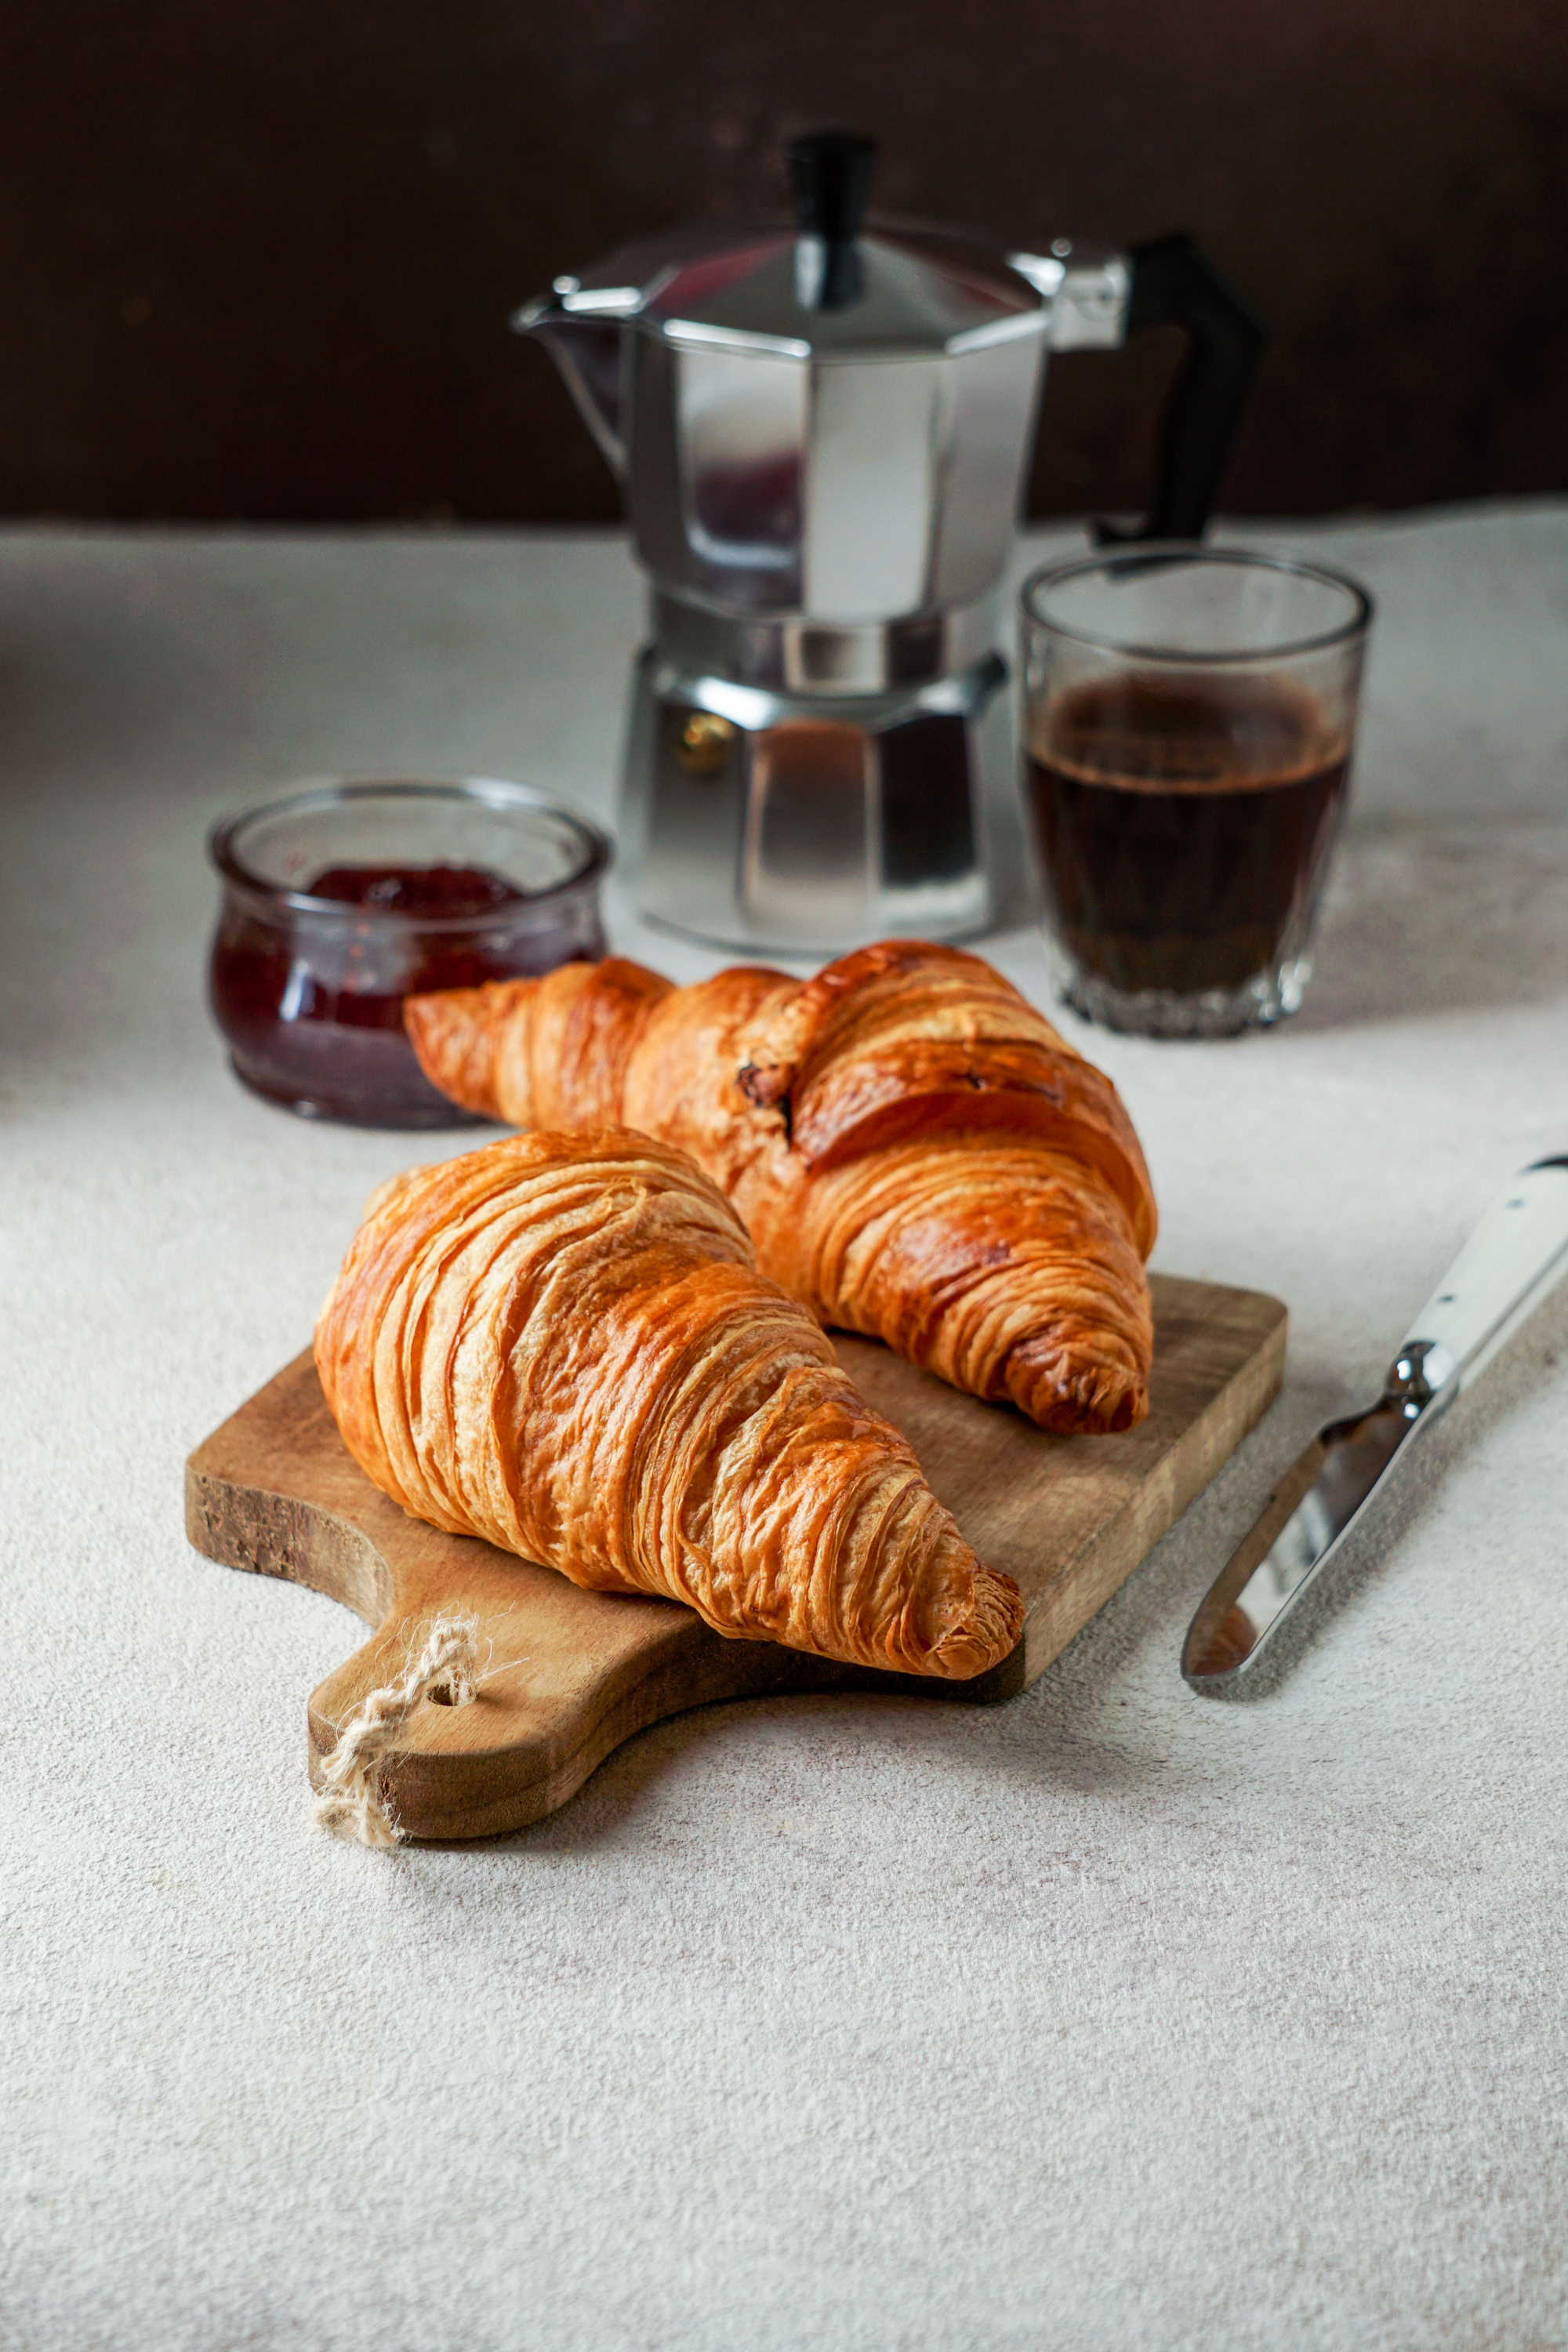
[[830, 180]]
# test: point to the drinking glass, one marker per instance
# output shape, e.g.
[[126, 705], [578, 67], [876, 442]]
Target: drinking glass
[[1189, 718]]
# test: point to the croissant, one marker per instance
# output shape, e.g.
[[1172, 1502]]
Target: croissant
[[560, 1343], [915, 1151]]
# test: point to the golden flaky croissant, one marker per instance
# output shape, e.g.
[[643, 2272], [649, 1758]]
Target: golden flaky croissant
[[915, 1151], [560, 1343]]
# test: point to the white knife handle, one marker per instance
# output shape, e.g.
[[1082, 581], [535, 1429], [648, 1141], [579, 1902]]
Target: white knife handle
[[1517, 1253]]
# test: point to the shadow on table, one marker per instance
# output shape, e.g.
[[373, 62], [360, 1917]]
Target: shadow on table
[[1066, 1731], [1376, 1545], [86, 671], [1430, 921]]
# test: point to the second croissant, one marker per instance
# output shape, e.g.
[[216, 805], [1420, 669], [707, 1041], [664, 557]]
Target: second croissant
[[915, 1152]]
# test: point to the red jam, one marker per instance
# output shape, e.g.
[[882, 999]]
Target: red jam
[[417, 890], [310, 1001]]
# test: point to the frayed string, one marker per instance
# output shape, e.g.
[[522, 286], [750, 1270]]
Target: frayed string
[[351, 1803]]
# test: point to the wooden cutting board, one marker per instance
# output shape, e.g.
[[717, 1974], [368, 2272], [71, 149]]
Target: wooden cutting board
[[566, 1676]]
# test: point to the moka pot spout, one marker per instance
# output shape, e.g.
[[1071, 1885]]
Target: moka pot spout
[[583, 330]]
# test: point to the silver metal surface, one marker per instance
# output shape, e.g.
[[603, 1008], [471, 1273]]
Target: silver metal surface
[[823, 485], [820, 824], [917, 290], [1088, 291], [848, 466], [809, 657], [1516, 1256]]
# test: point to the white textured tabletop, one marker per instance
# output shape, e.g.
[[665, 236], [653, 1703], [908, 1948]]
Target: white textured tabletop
[[1109, 2017]]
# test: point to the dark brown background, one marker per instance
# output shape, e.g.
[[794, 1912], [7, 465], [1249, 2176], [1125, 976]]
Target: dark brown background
[[256, 259]]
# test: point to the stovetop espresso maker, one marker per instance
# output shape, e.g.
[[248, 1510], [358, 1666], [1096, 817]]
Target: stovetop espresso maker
[[822, 433]]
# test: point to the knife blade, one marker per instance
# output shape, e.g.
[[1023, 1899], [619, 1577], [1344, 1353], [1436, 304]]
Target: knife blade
[[1515, 1257]]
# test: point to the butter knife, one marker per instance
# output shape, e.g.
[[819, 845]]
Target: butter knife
[[1517, 1255]]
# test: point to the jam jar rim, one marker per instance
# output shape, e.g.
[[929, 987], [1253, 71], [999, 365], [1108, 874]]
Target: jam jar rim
[[495, 792]]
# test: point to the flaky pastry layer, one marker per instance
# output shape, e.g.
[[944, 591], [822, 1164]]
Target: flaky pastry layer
[[915, 1151], [560, 1343]]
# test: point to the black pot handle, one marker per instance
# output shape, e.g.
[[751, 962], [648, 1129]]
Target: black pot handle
[[1174, 284]]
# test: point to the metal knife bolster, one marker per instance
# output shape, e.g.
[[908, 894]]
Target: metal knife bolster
[[1516, 1255]]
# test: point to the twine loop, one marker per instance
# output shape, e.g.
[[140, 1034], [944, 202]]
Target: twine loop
[[351, 1803]]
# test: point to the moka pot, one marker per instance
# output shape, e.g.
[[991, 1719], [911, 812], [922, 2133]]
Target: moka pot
[[822, 432]]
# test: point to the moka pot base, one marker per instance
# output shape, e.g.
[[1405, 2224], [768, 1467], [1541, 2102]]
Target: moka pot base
[[791, 786]]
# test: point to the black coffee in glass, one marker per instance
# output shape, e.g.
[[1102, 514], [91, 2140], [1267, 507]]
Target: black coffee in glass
[[1188, 721], [1181, 832]]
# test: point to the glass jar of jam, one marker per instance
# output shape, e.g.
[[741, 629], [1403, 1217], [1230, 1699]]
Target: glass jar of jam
[[341, 901]]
